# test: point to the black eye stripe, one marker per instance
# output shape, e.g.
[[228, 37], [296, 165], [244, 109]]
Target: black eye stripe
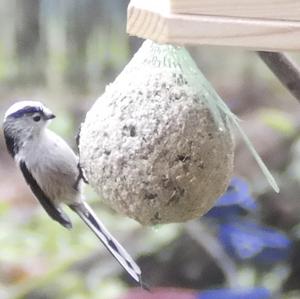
[[26, 110]]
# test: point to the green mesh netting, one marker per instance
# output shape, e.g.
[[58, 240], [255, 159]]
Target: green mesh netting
[[179, 58]]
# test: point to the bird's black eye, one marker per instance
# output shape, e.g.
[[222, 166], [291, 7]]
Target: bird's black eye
[[36, 118]]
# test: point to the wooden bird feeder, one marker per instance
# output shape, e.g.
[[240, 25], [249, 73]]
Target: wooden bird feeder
[[269, 25]]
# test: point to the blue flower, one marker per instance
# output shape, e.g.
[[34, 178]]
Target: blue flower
[[254, 293], [246, 240], [236, 201]]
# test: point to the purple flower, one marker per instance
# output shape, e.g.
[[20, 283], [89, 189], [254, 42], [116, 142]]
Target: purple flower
[[235, 202], [247, 240], [254, 293]]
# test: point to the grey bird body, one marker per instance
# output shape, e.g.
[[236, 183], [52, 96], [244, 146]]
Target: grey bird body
[[50, 168], [58, 167]]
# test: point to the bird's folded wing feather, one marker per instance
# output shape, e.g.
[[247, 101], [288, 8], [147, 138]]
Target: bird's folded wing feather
[[53, 211]]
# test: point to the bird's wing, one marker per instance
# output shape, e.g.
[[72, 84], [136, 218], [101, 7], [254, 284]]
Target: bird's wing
[[114, 247], [11, 145], [53, 211]]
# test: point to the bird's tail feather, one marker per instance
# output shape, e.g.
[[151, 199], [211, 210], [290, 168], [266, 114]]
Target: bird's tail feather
[[115, 248]]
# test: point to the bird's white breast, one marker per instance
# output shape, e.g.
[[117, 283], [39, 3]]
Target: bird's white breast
[[53, 164]]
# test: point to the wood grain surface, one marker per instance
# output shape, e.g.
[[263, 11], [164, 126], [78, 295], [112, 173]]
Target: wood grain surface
[[265, 9], [154, 20]]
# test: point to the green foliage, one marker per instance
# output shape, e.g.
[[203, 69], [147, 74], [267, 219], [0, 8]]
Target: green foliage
[[279, 121], [40, 254]]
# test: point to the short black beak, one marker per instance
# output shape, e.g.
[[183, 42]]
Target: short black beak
[[49, 116]]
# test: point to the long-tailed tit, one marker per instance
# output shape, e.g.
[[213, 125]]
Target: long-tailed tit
[[52, 171]]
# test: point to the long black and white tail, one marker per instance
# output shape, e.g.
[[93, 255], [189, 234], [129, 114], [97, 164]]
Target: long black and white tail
[[115, 248]]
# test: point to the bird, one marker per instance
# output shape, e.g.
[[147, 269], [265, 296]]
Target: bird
[[52, 171]]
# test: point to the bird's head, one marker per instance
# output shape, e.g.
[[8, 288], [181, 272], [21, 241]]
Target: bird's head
[[26, 118]]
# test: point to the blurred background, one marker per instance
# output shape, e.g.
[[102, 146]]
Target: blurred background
[[64, 53]]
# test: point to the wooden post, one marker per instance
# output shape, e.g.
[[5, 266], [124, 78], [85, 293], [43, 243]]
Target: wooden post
[[269, 25]]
